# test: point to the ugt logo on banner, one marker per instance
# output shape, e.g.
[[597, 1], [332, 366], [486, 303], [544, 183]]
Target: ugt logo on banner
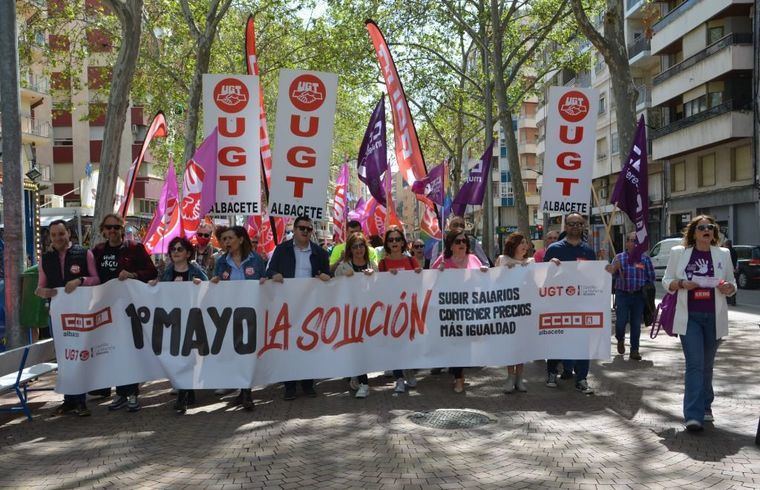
[[228, 105], [304, 133], [570, 142]]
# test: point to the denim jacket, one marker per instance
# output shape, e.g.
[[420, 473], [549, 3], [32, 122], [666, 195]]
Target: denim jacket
[[194, 270], [253, 267]]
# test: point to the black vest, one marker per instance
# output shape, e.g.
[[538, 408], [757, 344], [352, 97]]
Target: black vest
[[74, 266]]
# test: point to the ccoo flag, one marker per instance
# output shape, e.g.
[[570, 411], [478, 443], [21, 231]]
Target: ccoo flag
[[473, 191], [373, 157], [631, 193]]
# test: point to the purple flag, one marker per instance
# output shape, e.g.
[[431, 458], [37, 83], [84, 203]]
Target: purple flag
[[373, 159], [357, 214], [432, 185], [631, 192], [473, 191]]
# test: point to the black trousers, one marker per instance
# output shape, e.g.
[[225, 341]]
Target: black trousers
[[305, 384], [128, 390]]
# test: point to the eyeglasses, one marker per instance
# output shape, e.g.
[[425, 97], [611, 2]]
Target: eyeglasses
[[112, 227], [357, 246], [179, 249], [204, 235], [305, 229], [709, 227], [394, 239], [460, 241], [418, 247], [574, 224]]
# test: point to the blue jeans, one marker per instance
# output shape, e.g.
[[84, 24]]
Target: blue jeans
[[699, 348], [629, 309]]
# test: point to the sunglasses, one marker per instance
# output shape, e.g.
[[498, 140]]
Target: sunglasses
[[112, 227], [305, 229], [418, 247], [204, 235], [574, 224], [460, 241], [395, 239], [179, 249], [709, 227], [356, 246]]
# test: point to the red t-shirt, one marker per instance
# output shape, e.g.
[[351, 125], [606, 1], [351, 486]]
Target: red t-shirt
[[405, 263]]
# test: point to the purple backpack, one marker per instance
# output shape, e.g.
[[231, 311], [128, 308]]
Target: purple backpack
[[666, 313]]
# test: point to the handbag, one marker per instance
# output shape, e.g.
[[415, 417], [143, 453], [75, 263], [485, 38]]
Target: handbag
[[665, 315]]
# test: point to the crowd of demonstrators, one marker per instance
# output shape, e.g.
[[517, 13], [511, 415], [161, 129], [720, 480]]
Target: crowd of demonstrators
[[68, 266], [117, 258], [417, 250], [397, 258], [238, 263], [356, 260], [338, 251], [571, 248], [457, 223], [630, 280], [549, 238], [457, 255], [181, 268], [299, 258], [702, 275], [205, 253]]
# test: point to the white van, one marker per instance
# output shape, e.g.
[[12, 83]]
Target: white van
[[660, 254]]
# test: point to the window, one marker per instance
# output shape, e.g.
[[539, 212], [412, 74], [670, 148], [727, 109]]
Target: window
[[707, 170], [602, 103], [601, 149], [714, 34], [741, 163], [147, 206], [615, 144], [678, 177], [506, 190]]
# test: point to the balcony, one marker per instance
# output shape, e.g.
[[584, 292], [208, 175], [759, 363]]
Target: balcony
[[731, 52], [644, 100], [638, 46], [685, 18], [526, 122], [33, 130], [34, 87], [730, 120], [633, 8], [529, 148]]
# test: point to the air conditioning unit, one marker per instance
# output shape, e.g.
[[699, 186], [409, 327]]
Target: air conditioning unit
[[53, 201]]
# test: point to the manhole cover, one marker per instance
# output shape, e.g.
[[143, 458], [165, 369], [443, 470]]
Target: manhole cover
[[450, 419]]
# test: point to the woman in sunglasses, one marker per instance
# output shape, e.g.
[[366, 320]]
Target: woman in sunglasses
[[181, 269], [417, 249], [238, 263], [395, 259], [121, 259], [457, 255], [702, 275], [356, 259]]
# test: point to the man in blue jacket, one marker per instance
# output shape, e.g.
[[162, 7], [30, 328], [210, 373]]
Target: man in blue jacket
[[299, 258]]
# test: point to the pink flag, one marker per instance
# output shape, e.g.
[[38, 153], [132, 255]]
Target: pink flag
[[167, 222], [374, 218], [340, 206], [198, 198], [157, 129], [260, 227]]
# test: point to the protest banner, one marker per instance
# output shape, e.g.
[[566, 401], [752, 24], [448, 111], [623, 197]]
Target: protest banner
[[240, 334], [570, 145], [230, 105], [304, 135]]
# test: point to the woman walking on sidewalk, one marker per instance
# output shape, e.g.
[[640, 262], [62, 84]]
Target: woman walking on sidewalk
[[702, 275]]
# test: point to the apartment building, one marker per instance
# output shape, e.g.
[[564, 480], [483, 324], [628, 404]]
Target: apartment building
[[703, 91]]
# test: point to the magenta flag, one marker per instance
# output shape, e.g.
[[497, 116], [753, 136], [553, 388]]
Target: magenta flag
[[199, 185], [373, 159], [631, 193], [432, 185], [474, 189], [166, 222], [340, 206]]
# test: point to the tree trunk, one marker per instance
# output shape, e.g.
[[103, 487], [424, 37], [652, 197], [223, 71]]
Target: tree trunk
[[13, 197], [488, 228], [129, 13], [194, 99]]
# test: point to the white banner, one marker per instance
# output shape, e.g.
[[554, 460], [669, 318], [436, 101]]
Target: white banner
[[240, 334], [570, 145], [303, 143], [230, 102]]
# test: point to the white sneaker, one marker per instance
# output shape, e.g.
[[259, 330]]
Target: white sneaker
[[411, 378], [510, 384], [400, 386], [520, 385], [363, 391], [354, 383]]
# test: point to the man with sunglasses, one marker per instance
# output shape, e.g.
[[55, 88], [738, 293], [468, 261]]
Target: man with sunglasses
[[299, 258], [338, 251], [571, 248], [205, 253], [121, 259], [630, 280]]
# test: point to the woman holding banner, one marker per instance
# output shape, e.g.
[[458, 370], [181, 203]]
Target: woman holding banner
[[457, 255], [356, 259], [239, 263], [394, 260], [180, 269], [702, 275], [417, 250]]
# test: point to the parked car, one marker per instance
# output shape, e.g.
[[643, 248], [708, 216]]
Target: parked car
[[660, 254], [748, 266]]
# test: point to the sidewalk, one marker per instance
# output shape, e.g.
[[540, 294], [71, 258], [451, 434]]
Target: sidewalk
[[628, 435]]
